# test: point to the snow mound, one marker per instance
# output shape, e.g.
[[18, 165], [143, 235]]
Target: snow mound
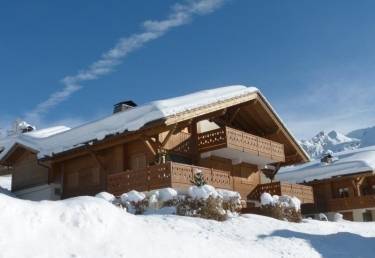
[[92, 227], [106, 196]]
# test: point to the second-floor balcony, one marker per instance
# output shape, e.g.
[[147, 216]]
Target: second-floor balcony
[[240, 146]]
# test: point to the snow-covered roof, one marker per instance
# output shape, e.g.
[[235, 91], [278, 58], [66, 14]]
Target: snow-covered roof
[[344, 163], [29, 139], [135, 118]]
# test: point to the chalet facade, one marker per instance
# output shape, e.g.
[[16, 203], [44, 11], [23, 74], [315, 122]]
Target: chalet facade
[[343, 183], [229, 134]]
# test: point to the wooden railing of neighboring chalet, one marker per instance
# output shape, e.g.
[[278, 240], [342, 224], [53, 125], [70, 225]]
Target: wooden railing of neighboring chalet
[[302, 192], [349, 203], [165, 175], [235, 139]]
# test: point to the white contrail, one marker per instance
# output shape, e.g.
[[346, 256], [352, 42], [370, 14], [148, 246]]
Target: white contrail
[[180, 14]]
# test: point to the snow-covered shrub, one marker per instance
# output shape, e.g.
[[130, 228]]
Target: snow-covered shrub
[[209, 208], [207, 202], [322, 217], [198, 179], [281, 207], [338, 217], [132, 196], [134, 201], [202, 192], [167, 194], [106, 196]]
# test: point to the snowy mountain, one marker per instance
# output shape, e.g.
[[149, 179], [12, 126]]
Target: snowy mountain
[[335, 141]]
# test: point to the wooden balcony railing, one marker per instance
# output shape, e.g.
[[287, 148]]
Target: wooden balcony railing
[[165, 175], [238, 140], [302, 192], [349, 203]]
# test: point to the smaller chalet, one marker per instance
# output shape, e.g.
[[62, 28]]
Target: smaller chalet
[[230, 134], [342, 182]]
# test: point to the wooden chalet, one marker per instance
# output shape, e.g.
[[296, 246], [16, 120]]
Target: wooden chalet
[[229, 134], [344, 183]]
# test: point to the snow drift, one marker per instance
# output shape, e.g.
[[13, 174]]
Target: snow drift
[[92, 227]]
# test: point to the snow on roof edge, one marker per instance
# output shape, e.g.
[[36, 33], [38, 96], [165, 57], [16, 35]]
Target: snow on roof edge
[[348, 162]]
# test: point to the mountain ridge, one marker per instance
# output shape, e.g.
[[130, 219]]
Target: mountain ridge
[[335, 141]]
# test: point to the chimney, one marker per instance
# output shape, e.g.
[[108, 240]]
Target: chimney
[[123, 105]]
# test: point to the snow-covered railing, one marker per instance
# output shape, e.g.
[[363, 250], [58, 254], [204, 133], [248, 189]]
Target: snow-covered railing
[[235, 139]]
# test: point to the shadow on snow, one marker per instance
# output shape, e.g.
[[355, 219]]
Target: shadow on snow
[[341, 244]]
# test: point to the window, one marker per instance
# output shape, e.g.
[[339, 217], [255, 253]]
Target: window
[[367, 216], [343, 192]]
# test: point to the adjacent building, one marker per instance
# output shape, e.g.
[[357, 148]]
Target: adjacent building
[[342, 182]]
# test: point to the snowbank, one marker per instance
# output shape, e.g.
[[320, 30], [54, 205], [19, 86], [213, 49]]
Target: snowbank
[[91, 227]]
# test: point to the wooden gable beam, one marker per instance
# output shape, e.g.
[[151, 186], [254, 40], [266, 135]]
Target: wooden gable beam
[[170, 133], [149, 145]]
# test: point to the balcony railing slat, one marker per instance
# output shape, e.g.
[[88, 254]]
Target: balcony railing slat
[[165, 175], [241, 141]]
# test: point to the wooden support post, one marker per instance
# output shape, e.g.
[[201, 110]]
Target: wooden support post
[[194, 142], [231, 119], [357, 182], [102, 169]]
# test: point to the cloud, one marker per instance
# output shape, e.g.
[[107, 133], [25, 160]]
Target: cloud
[[179, 15], [342, 105]]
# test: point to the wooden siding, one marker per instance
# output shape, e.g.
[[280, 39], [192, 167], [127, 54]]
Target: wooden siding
[[235, 139], [351, 203], [27, 172]]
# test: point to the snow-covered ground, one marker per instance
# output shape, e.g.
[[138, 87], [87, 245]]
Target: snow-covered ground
[[92, 227]]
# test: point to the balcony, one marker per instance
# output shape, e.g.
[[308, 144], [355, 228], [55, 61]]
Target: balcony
[[350, 203], [170, 174], [240, 146], [302, 192]]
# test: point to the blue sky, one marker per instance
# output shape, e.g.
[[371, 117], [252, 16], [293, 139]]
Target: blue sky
[[314, 60]]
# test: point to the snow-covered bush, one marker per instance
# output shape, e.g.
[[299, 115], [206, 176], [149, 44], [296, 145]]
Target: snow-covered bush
[[209, 208], [202, 192], [281, 207], [207, 202], [204, 201], [338, 217], [322, 217], [106, 196], [134, 201]]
